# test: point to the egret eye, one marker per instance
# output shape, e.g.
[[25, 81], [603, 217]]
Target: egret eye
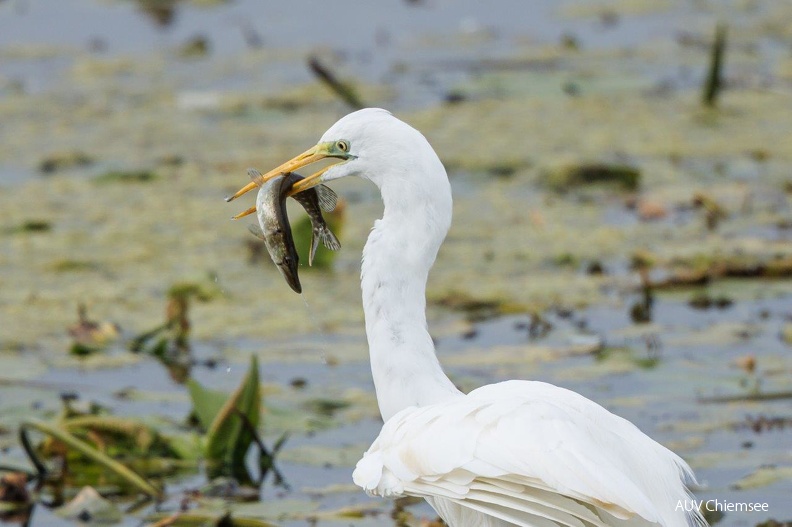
[[342, 146]]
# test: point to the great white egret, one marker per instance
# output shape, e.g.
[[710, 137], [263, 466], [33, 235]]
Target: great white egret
[[513, 453]]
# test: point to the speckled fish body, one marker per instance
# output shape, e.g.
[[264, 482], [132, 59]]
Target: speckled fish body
[[275, 228]]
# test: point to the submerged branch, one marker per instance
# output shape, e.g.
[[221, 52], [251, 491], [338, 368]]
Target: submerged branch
[[344, 92], [714, 81]]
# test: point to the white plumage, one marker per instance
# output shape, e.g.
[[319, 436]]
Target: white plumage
[[530, 454], [514, 453]]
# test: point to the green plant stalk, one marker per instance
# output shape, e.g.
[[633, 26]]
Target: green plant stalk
[[88, 451], [140, 433]]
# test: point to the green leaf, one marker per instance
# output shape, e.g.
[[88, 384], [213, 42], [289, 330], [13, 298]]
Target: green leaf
[[206, 402], [186, 446], [228, 437]]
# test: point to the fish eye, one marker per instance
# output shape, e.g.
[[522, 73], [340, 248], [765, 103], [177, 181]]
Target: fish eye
[[342, 145]]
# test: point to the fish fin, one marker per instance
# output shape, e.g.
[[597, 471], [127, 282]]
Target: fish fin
[[256, 231], [329, 239], [255, 176], [327, 198], [314, 244]]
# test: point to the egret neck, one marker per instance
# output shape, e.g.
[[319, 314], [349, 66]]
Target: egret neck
[[397, 257]]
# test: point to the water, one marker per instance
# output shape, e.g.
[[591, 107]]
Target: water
[[662, 398], [420, 49]]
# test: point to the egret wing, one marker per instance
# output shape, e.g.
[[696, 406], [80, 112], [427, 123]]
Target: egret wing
[[530, 453]]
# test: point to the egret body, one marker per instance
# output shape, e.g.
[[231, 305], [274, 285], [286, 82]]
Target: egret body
[[513, 453]]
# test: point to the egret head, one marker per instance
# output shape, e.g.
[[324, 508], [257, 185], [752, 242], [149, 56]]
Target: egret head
[[369, 143]]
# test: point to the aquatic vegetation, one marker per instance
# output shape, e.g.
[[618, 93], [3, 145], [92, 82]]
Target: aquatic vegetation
[[161, 12], [69, 265], [32, 226], [786, 333], [127, 176], [60, 435], [133, 452], [702, 269], [645, 359], [714, 81], [641, 310], [15, 500], [91, 336], [195, 47], [702, 300], [230, 423], [569, 178], [763, 477], [325, 407], [714, 212], [775, 523], [566, 260], [64, 160], [169, 342], [89, 506], [476, 309], [220, 518]]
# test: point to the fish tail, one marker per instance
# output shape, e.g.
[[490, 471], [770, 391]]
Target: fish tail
[[329, 239]]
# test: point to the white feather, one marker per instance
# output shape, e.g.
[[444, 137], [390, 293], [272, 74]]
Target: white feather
[[533, 447]]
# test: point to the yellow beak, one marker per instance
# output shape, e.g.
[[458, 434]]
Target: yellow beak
[[317, 153]]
